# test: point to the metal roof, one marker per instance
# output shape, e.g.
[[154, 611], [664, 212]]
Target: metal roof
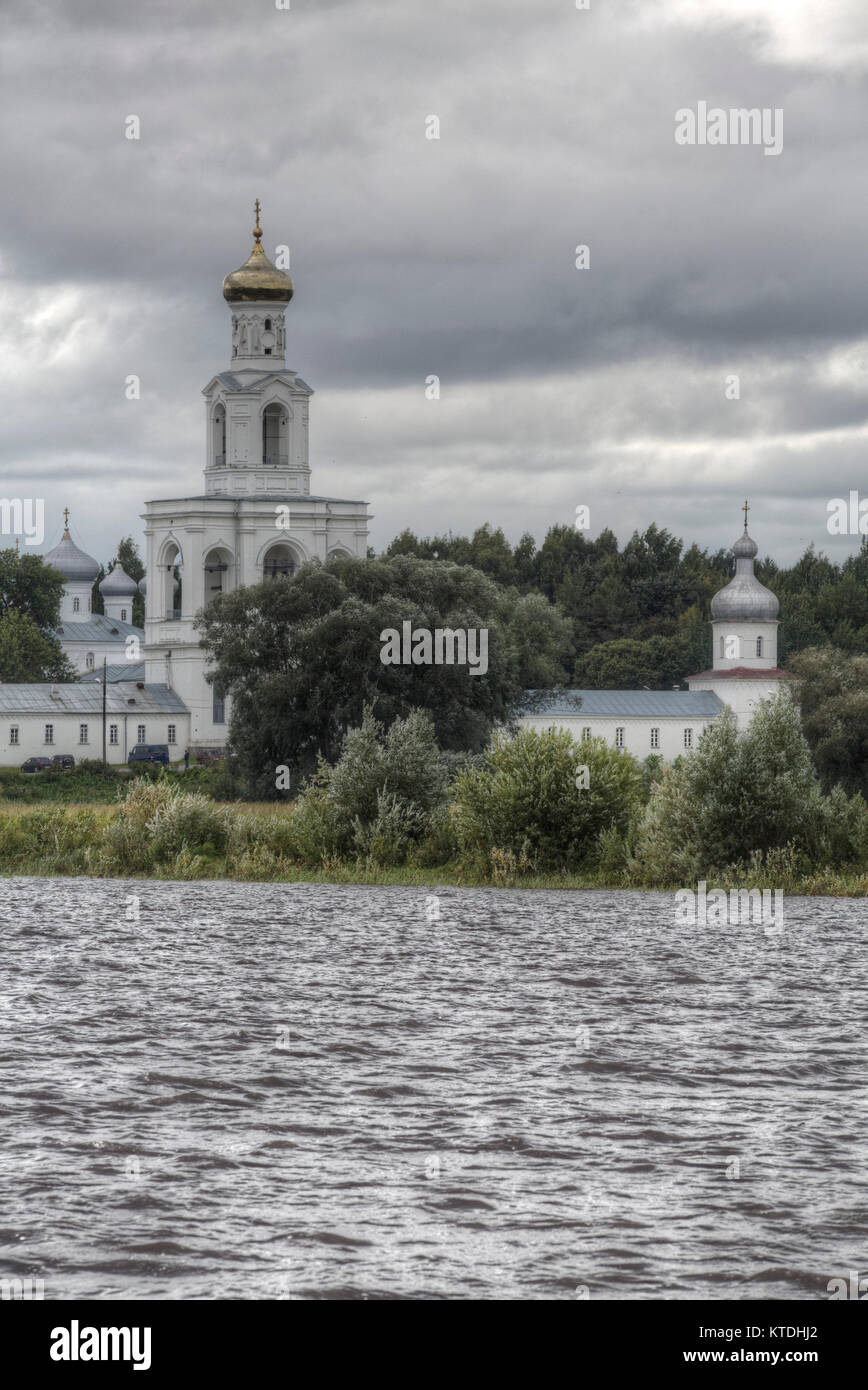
[[627, 704], [743, 673], [99, 628], [118, 583], [257, 379], [122, 697], [233, 497], [71, 561], [126, 671]]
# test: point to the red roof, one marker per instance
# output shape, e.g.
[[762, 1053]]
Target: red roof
[[743, 673]]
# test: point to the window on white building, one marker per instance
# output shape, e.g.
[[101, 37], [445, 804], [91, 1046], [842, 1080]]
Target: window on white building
[[688, 738], [722, 649], [113, 733], [123, 615], [759, 646], [89, 661], [619, 738], [82, 733], [140, 735], [218, 706], [76, 605], [655, 738], [172, 734], [49, 733], [13, 734], [586, 734]]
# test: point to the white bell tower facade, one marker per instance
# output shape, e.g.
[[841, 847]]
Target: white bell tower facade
[[744, 626], [256, 518]]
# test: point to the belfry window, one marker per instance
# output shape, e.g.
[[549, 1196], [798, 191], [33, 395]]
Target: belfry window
[[220, 435], [274, 437], [268, 325], [279, 562]]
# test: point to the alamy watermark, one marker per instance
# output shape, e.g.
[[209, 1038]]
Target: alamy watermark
[[847, 518], [23, 517], [446, 646], [717, 908], [739, 125]]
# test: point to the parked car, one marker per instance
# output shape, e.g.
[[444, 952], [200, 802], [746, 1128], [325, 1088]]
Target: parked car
[[35, 764], [63, 760], [205, 757], [150, 753]]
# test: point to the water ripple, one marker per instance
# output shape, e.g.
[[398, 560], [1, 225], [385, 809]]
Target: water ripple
[[303, 1091]]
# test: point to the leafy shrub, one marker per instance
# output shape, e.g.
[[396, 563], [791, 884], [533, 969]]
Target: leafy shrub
[[187, 822], [742, 793], [157, 823], [526, 800], [378, 798]]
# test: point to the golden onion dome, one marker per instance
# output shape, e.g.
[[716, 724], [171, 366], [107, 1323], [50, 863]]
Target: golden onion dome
[[257, 278]]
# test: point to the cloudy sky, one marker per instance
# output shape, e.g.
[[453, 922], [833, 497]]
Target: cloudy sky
[[454, 257]]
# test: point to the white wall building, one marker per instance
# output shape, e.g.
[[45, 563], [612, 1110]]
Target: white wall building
[[44, 720], [256, 518], [744, 624], [86, 637], [664, 723]]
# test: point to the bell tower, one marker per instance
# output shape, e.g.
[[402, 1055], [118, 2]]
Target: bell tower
[[256, 519], [257, 411]]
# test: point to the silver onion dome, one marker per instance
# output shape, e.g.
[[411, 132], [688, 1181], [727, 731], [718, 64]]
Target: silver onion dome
[[744, 599], [71, 562], [117, 583]]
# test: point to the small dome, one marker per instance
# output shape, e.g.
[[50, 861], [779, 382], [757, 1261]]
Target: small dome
[[744, 599], [257, 278], [745, 548], [117, 583], [71, 562]]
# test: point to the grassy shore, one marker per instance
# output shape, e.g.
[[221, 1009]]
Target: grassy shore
[[250, 842]]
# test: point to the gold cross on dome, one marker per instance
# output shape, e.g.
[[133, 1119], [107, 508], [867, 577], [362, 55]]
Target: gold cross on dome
[[257, 230], [745, 509], [66, 517]]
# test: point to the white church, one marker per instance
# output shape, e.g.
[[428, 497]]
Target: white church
[[666, 723], [255, 518]]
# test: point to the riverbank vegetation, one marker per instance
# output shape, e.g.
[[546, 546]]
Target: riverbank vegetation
[[746, 809]]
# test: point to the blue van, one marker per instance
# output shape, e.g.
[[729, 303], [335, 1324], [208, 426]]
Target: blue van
[[150, 753]]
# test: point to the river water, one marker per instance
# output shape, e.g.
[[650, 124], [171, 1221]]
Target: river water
[[302, 1091]]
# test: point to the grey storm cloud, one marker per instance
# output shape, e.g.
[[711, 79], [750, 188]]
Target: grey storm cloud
[[453, 257]]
